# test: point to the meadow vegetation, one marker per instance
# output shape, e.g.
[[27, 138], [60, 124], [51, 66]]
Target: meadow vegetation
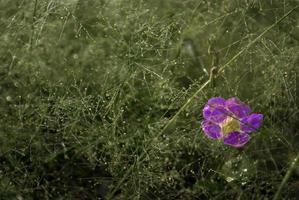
[[102, 99]]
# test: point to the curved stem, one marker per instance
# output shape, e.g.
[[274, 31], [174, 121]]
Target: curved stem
[[286, 177]]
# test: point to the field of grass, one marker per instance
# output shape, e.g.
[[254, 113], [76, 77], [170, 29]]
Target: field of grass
[[103, 99]]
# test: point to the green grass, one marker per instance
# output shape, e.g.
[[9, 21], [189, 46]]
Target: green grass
[[103, 99]]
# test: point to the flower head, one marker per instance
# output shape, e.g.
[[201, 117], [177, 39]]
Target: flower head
[[230, 120]]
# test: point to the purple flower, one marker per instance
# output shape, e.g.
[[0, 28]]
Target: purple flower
[[230, 120]]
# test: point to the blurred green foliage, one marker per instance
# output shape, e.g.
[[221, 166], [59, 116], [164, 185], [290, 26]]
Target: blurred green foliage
[[86, 85]]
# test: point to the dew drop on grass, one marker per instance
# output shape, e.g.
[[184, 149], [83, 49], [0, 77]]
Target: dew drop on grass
[[8, 99], [229, 179]]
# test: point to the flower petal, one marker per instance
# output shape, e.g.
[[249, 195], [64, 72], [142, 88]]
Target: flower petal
[[214, 110], [236, 139], [211, 130], [216, 101], [251, 123], [237, 107], [216, 115]]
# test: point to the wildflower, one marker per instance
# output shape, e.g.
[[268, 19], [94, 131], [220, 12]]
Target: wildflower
[[230, 120]]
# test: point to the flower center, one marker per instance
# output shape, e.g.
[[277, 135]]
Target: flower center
[[230, 125]]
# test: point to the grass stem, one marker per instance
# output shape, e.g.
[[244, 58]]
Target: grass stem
[[286, 177]]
